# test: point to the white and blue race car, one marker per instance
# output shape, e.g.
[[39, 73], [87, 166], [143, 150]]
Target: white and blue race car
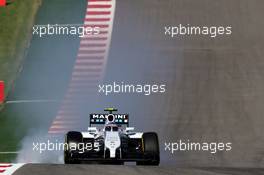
[[114, 143]]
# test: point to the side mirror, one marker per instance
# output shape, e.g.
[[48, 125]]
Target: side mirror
[[128, 129]]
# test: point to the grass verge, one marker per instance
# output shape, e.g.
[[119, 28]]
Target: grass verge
[[16, 20]]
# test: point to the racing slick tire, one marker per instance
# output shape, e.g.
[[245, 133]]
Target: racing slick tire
[[71, 137], [150, 144]]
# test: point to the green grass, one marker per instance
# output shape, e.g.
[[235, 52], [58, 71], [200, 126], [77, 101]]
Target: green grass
[[47, 64], [16, 20]]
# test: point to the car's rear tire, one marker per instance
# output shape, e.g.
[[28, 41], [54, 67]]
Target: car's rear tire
[[150, 144], [73, 137]]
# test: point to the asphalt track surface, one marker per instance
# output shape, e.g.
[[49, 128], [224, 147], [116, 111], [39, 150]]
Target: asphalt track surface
[[214, 86], [130, 170]]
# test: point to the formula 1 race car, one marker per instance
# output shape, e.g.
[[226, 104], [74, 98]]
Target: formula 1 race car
[[114, 143]]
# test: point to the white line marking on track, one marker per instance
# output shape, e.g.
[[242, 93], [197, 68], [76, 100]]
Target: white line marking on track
[[31, 101], [9, 152], [8, 169]]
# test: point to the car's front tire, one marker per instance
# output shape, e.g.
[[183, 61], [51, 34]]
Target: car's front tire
[[150, 144], [71, 137]]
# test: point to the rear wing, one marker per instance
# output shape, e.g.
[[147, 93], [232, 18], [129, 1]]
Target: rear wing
[[98, 119]]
